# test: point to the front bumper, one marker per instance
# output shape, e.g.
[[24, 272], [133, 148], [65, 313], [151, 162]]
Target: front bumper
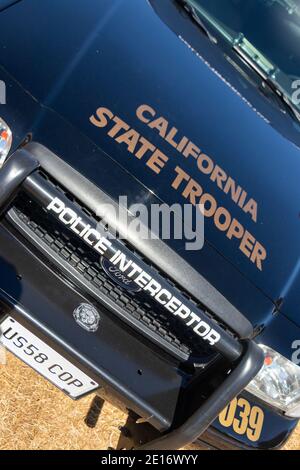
[[153, 385]]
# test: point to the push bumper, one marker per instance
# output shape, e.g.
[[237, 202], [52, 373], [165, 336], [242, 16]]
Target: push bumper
[[148, 383]]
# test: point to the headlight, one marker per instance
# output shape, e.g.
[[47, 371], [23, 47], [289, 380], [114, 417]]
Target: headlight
[[278, 383], [5, 141]]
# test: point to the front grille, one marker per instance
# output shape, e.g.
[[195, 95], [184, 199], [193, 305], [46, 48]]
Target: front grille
[[70, 249]]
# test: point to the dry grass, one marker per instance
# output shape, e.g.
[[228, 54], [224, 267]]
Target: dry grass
[[35, 415]]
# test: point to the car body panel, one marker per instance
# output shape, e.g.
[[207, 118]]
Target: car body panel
[[56, 81]]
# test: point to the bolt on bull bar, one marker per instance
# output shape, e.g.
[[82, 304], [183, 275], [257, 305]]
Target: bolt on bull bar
[[21, 172]]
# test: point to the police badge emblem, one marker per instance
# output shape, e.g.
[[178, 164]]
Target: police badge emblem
[[87, 317]]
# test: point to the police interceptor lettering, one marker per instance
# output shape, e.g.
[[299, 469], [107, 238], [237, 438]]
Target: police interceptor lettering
[[145, 281]]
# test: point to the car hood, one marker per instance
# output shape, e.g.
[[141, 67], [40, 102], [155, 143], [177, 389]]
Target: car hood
[[77, 57]]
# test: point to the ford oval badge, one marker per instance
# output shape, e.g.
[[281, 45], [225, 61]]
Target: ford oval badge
[[118, 277]]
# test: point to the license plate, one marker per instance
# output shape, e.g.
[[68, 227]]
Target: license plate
[[45, 360]]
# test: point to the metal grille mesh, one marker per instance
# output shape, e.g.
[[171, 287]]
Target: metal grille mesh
[[85, 261]]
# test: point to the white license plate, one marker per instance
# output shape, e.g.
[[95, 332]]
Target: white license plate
[[42, 358]]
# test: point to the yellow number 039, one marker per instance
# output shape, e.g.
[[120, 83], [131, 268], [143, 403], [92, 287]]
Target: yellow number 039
[[243, 418]]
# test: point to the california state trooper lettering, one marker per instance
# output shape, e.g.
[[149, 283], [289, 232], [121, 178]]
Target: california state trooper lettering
[[189, 188]]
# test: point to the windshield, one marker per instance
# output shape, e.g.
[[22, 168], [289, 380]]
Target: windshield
[[267, 32]]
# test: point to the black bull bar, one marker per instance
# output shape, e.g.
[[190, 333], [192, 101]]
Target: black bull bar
[[21, 172]]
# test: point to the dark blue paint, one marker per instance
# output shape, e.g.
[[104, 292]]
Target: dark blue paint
[[122, 54]]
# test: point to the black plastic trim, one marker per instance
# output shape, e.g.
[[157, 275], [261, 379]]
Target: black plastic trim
[[155, 250], [80, 280], [247, 368], [13, 174], [38, 188]]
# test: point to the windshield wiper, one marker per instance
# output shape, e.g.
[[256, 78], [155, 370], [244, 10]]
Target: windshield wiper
[[191, 11], [267, 81], [283, 98]]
